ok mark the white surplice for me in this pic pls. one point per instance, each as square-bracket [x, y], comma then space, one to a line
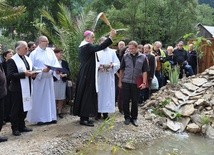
[105, 80]
[25, 87]
[44, 106]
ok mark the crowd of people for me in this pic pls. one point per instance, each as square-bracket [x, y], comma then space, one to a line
[33, 85]
[33, 80]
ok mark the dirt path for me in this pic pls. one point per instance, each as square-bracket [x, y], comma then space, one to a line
[68, 136]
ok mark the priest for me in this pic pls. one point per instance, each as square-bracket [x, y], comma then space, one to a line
[85, 102]
[44, 106]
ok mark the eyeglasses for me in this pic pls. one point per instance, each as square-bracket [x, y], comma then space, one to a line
[44, 40]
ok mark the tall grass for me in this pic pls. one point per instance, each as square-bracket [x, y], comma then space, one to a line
[174, 75]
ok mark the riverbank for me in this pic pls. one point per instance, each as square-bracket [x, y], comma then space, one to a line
[68, 137]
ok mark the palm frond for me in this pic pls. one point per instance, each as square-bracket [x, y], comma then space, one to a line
[48, 16]
[9, 13]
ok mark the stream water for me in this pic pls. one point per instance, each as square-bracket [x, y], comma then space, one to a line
[182, 144]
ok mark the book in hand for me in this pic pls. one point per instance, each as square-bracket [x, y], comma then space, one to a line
[37, 71]
[63, 70]
[139, 81]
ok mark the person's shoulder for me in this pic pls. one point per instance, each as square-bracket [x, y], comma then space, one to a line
[10, 61]
[49, 49]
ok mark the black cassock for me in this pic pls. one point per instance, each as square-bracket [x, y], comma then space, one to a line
[85, 102]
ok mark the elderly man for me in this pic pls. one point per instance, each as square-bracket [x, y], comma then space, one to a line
[19, 72]
[85, 103]
[133, 66]
[44, 107]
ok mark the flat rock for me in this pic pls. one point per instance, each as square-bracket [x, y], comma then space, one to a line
[201, 89]
[186, 92]
[180, 95]
[174, 126]
[187, 110]
[169, 113]
[184, 121]
[175, 100]
[196, 118]
[211, 72]
[195, 97]
[194, 128]
[190, 101]
[208, 84]
[210, 132]
[208, 108]
[190, 86]
[149, 104]
[171, 106]
[199, 102]
[199, 81]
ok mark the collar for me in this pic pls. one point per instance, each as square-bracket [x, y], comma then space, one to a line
[83, 43]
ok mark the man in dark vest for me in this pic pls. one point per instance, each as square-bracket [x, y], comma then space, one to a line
[134, 66]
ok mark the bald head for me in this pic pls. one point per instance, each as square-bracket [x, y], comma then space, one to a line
[43, 42]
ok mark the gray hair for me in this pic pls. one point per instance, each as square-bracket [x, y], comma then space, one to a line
[134, 43]
[19, 44]
[158, 43]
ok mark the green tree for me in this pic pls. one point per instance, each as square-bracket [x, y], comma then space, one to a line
[25, 28]
[205, 14]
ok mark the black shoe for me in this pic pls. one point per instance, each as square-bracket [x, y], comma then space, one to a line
[134, 122]
[60, 115]
[127, 121]
[25, 129]
[16, 133]
[41, 123]
[105, 116]
[98, 117]
[3, 139]
[53, 122]
[86, 123]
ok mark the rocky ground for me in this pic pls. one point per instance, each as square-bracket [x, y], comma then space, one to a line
[187, 106]
[67, 136]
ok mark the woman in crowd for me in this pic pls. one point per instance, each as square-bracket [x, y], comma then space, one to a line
[60, 78]
[7, 99]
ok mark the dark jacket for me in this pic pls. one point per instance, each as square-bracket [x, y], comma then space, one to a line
[3, 88]
[180, 55]
[85, 102]
[14, 76]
